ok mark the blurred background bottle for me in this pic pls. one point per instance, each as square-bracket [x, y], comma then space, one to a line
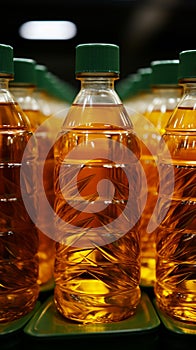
[60, 93]
[18, 237]
[165, 95]
[97, 188]
[128, 91]
[40, 92]
[145, 95]
[23, 87]
[138, 102]
[54, 95]
[175, 287]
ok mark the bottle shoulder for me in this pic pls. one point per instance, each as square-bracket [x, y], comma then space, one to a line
[105, 114]
[183, 119]
[12, 116]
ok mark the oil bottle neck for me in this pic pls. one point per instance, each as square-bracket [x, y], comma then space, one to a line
[5, 94]
[97, 82]
[167, 91]
[4, 83]
[97, 89]
[189, 95]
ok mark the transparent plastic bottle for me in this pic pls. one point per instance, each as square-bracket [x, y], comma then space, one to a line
[175, 286]
[97, 267]
[18, 237]
[56, 96]
[144, 88]
[165, 95]
[139, 103]
[40, 91]
[23, 87]
[131, 92]
[62, 94]
[52, 104]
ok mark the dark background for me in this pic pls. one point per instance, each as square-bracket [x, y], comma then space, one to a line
[145, 30]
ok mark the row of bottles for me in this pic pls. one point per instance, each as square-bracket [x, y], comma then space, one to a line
[175, 286]
[119, 175]
[19, 239]
[164, 120]
[150, 115]
[27, 138]
[23, 87]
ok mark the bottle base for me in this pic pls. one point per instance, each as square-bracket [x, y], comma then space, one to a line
[17, 304]
[96, 309]
[177, 305]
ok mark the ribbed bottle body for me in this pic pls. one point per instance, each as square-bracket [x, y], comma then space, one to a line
[97, 188]
[18, 237]
[175, 287]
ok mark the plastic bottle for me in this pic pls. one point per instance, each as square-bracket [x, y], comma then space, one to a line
[52, 103]
[60, 91]
[145, 90]
[165, 95]
[126, 87]
[175, 287]
[23, 87]
[132, 93]
[40, 91]
[97, 266]
[56, 96]
[18, 237]
[138, 104]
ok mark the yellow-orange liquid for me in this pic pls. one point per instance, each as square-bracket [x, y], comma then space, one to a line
[150, 137]
[43, 134]
[175, 286]
[99, 283]
[18, 235]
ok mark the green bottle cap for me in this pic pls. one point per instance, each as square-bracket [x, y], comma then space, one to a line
[187, 65]
[145, 81]
[6, 59]
[128, 86]
[41, 71]
[97, 58]
[164, 72]
[24, 71]
[59, 89]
